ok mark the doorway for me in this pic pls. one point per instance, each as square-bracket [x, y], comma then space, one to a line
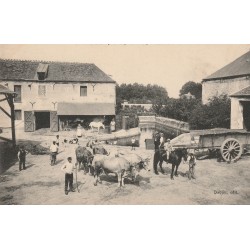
[42, 120]
[246, 115]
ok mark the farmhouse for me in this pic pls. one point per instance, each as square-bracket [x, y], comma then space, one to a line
[228, 80]
[57, 94]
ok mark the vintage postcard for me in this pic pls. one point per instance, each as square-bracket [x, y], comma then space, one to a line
[124, 124]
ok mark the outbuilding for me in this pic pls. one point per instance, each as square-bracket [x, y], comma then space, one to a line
[228, 80]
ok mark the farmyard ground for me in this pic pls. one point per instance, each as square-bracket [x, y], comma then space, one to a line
[216, 183]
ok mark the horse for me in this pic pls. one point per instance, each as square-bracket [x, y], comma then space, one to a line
[97, 125]
[175, 158]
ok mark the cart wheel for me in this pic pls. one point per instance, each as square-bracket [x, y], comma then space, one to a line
[231, 150]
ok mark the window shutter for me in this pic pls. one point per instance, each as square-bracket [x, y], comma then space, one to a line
[42, 90]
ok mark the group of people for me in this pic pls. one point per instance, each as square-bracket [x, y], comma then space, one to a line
[166, 148]
[68, 168]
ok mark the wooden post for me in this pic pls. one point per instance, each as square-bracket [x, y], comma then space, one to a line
[12, 114]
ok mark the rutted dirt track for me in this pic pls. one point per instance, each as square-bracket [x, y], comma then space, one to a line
[216, 183]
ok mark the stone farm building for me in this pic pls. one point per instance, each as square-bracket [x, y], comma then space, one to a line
[56, 95]
[234, 81]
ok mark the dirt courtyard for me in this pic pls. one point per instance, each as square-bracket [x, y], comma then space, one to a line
[42, 184]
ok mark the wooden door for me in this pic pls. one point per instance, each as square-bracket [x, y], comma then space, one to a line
[53, 121]
[28, 121]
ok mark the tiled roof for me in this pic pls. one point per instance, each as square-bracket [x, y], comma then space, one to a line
[65, 108]
[239, 67]
[244, 92]
[57, 71]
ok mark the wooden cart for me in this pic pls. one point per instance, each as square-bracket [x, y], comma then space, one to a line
[230, 142]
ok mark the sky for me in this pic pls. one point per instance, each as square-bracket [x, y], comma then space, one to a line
[170, 66]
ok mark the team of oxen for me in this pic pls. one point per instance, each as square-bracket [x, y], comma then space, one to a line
[122, 164]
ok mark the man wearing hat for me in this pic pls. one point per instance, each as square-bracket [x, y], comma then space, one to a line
[157, 141]
[68, 168]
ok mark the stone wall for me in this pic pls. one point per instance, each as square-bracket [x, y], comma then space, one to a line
[168, 126]
[218, 87]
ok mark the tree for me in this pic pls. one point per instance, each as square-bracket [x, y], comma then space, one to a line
[157, 106]
[215, 114]
[139, 93]
[193, 88]
[179, 109]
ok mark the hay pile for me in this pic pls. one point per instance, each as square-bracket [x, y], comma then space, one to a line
[36, 149]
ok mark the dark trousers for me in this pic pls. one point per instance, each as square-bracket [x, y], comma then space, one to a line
[53, 158]
[68, 181]
[191, 171]
[21, 163]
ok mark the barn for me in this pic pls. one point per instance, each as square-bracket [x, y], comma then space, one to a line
[228, 80]
[234, 81]
[55, 95]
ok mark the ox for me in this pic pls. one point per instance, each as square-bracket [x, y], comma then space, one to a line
[117, 165]
[136, 162]
[83, 156]
[97, 125]
[99, 150]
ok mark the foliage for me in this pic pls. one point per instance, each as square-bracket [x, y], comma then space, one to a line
[192, 88]
[215, 114]
[139, 93]
[179, 109]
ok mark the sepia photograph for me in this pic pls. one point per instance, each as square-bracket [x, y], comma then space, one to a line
[124, 124]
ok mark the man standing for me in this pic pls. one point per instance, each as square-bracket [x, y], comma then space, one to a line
[53, 153]
[191, 162]
[57, 140]
[22, 158]
[133, 143]
[157, 141]
[68, 169]
[112, 126]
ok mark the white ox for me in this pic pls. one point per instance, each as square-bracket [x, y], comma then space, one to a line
[117, 165]
[97, 125]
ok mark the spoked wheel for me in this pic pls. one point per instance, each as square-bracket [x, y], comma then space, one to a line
[231, 150]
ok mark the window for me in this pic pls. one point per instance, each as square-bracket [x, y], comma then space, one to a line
[42, 90]
[83, 90]
[18, 90]
[42, 71]
[18, 115]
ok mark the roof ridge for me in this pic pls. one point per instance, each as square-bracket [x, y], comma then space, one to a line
[42, 61]
[232, 69]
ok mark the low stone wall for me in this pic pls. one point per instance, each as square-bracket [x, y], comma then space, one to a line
[167, 125]
[171, 123]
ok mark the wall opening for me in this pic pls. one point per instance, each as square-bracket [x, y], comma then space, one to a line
[42, 120]
[246, 115]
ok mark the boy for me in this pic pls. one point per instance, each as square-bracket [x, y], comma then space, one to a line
[53, 153]
[191, 162]
[22, 158]
[168, 147]
[68, 169]
[133, 143]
